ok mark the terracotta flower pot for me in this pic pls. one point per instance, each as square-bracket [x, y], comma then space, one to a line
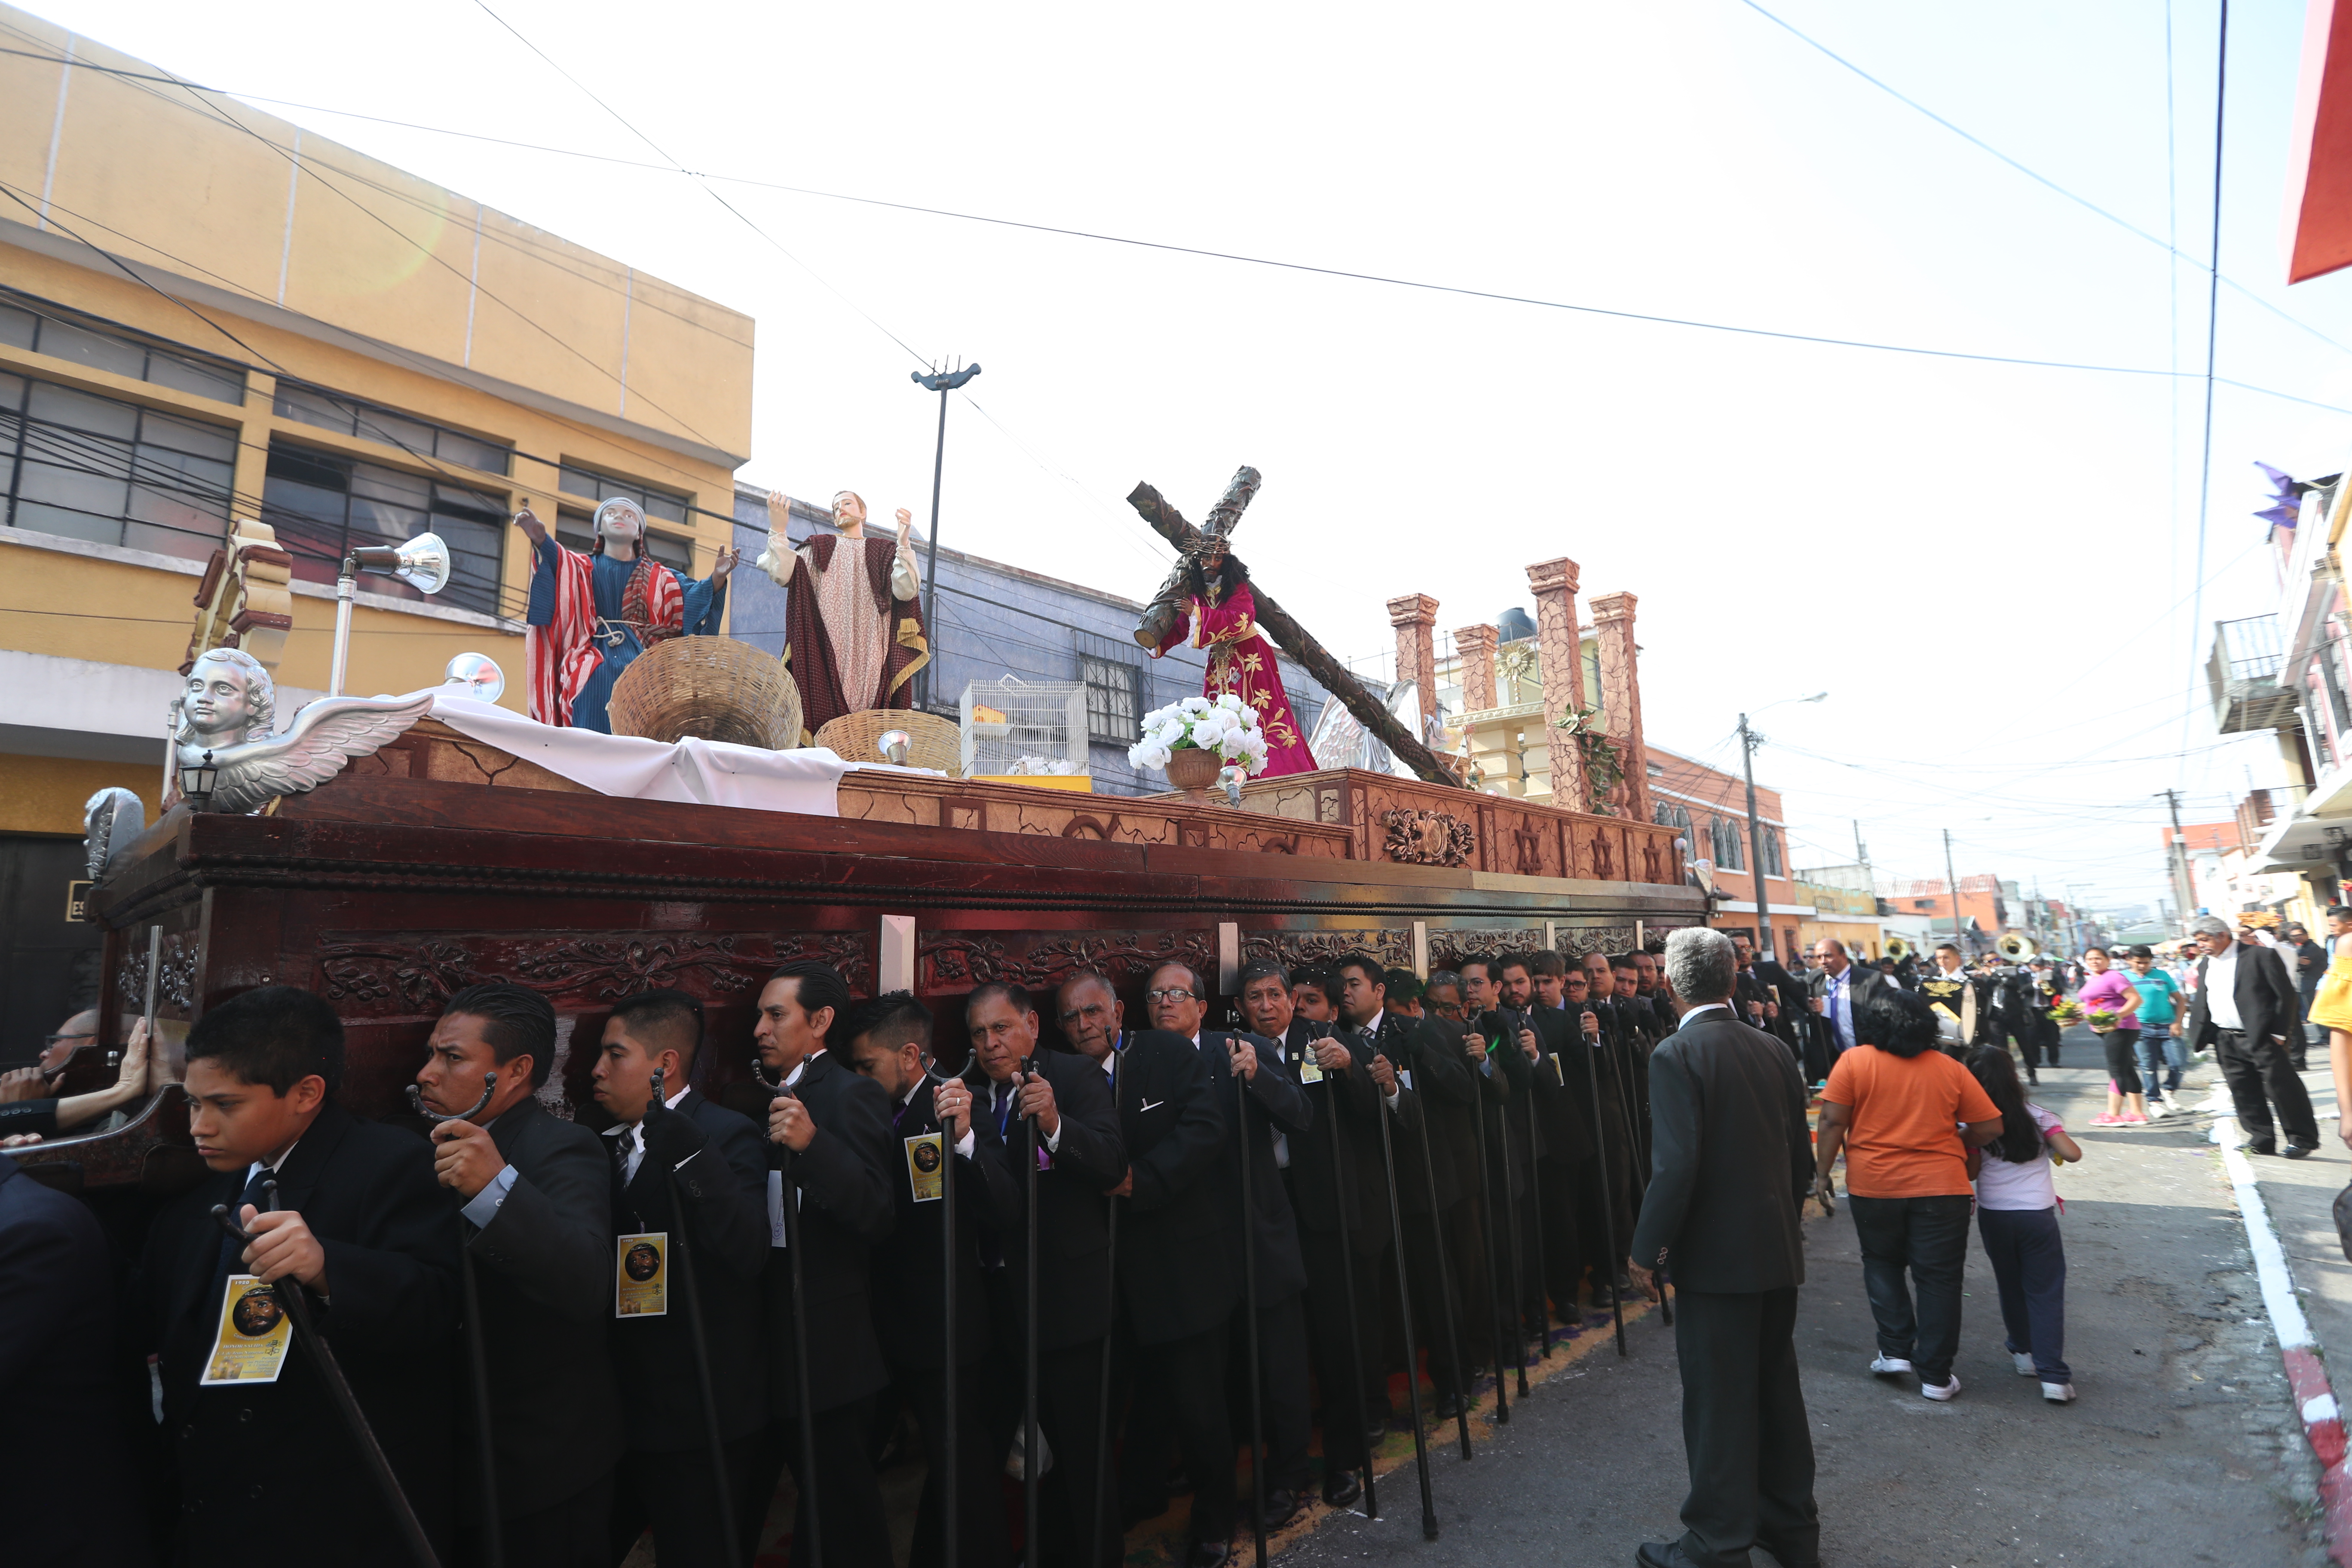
[1193, 770]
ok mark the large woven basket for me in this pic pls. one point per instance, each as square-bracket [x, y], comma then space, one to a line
[714, 688]
[936, 742]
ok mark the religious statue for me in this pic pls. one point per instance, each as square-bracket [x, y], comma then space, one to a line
[1222, 615]
[591, 615]
[225, 739]
[855, 633]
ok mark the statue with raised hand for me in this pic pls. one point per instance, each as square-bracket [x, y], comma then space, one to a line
[591, 615]
[854, 627]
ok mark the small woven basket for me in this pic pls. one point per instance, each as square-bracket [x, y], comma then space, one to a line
[714, 688]
[935, 742]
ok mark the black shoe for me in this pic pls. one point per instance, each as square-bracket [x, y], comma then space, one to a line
[2034, 1079]
[1661, 1554]
[2261, 1148]
[1445, 1409]
[1281, 1508]
[1209, 1554]
[1341, 1488]
[2301, 1151]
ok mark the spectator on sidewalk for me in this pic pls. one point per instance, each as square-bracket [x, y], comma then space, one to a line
[2307, 960]
[1906, 1115]
[2162, 1059]
[2017, 1220]
[2244, 1008]
[2331, 1009]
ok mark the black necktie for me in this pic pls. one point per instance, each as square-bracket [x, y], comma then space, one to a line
[1003, 1105]
[231, 1249]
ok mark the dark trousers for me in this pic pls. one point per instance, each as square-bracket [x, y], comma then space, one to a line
[2122, 1047]
[1432, 1295]
[1465, 1240]
[671, 1493]
[856, 1532]
[1554, 1247]
[1285, 1408]
[2260, 1076]
[1744, 1430]
[2029, 1263]
[1929, 1239]
[574, 1534]
[979, 1499]
[1604, 1219]
[1351, 1400]
[1180, 1401]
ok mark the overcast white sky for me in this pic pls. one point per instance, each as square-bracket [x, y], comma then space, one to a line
[1987, 567]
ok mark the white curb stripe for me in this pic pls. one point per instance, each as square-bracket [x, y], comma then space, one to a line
[2269, 1258]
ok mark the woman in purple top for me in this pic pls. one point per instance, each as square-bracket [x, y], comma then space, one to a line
[2106, 988]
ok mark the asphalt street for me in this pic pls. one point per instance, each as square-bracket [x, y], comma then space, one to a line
[2184, 1447]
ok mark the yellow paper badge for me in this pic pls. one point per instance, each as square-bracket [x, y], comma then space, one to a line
[249, 1346]
[925, 1155]
[641, 1278]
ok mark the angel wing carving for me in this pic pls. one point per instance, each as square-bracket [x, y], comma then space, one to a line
[110, 820]
[313, 749]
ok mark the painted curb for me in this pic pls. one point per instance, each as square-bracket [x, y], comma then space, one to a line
[2314, 1396]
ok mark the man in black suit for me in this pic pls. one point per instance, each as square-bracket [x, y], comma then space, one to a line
[1332, 1237]
[1402, 1072]
[1180, 1264]
[2245, 1007]
[1270, 1114]
[1734, 1162]
[1314, 992]
[890, 1042]
[829, 1137]
[1451, 1092]
[1514, 1141]
[1842, 990]
[1605, 1184]
[537, 1196]
[688, 1169]
[359, 1225]
[57, 1380]
[1083, 1157]
[1552, 1249]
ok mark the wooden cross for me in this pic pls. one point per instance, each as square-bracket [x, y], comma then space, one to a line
[1158, 621]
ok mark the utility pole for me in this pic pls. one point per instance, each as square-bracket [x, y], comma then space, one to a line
[1954, 883]
[942, 381]
[2183, 892]
[1756, 843]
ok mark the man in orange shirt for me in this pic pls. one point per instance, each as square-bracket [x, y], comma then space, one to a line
[1907, 1116]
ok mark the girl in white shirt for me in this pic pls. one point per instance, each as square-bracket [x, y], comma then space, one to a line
[2017, 1220]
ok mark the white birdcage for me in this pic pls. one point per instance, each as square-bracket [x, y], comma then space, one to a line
[1019, 727]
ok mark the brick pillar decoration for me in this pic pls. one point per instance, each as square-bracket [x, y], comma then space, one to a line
[1621, 699]
[1476, 646]
[1414, 617]
[1561, 665]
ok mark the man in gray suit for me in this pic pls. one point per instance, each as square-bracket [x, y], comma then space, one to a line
[1733, 1162]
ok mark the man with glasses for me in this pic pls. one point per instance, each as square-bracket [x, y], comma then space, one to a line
[2244, 1008]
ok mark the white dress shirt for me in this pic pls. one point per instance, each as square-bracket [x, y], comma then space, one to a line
[1837, 1002]
[2220, 987]
[635, 1134]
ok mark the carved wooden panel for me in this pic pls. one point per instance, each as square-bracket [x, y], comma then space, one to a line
[415, 976]
[1392, 945]
[1422, 837]
[1579, 940]
[1449, 947]
[178, 965]
[960, 960]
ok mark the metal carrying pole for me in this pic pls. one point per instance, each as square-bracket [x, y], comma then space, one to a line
[476, 1351]
[1608, 1191]
[1404, 1307]
[1486, 1226]
[1511, 1218]
[339, 1392]
[1249, 1305]
[804, 1478]
[1516, 1021]
[952, 1491]
[1102, 1408]
[1444, 1282]
[1029, 1505]
[1348, 1279]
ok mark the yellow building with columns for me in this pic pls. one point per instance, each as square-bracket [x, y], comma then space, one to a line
[209, 317]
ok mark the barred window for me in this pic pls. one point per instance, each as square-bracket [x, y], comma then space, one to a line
[419, 438]
[86, 467]
[324, 505]
[1729, 853]
[1114, 699]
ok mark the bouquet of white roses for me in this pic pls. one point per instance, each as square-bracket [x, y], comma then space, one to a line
[1224, 726]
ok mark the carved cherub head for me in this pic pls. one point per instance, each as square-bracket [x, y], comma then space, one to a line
[619, 518]
[229, 697]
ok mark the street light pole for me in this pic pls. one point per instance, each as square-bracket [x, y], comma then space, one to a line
[1747, 744]
[942, 381]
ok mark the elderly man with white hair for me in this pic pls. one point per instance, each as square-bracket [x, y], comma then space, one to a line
[1732, 1163]
[2245, 1006]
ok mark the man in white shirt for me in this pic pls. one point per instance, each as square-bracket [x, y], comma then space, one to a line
[2244, 1008]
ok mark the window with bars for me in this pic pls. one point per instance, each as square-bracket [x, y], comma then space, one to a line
[1772, 852]
[326, 410]
[324, 505]
[574, 532]
[595, 488]
[1114, 699]
[1730, 855]
[74, 464]
[28, 324]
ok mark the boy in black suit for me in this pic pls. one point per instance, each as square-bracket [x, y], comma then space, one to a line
[686, 1166]
[358, 1224]
[890, 1042]
[835, 1125]
[1083, 1157]
[538, 1212]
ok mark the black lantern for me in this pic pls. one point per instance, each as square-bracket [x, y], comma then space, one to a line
[196, 781]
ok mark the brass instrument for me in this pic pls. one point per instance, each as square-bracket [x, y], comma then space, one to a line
[1897, 949]
[2017, 947]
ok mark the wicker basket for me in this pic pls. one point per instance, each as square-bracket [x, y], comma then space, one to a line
[936, 742]
[714, 688]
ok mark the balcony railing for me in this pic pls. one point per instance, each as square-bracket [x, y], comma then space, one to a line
[2242, 674]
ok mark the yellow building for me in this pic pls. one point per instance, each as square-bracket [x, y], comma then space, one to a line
[209, 317]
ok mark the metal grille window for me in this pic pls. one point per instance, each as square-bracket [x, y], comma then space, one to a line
[85, 467]
[1114, 699]
[419, 438]
[28, 324]
[324, 505]
[593, 487]
[573, 533]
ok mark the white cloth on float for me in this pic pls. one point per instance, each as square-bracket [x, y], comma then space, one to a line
[689, 772]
